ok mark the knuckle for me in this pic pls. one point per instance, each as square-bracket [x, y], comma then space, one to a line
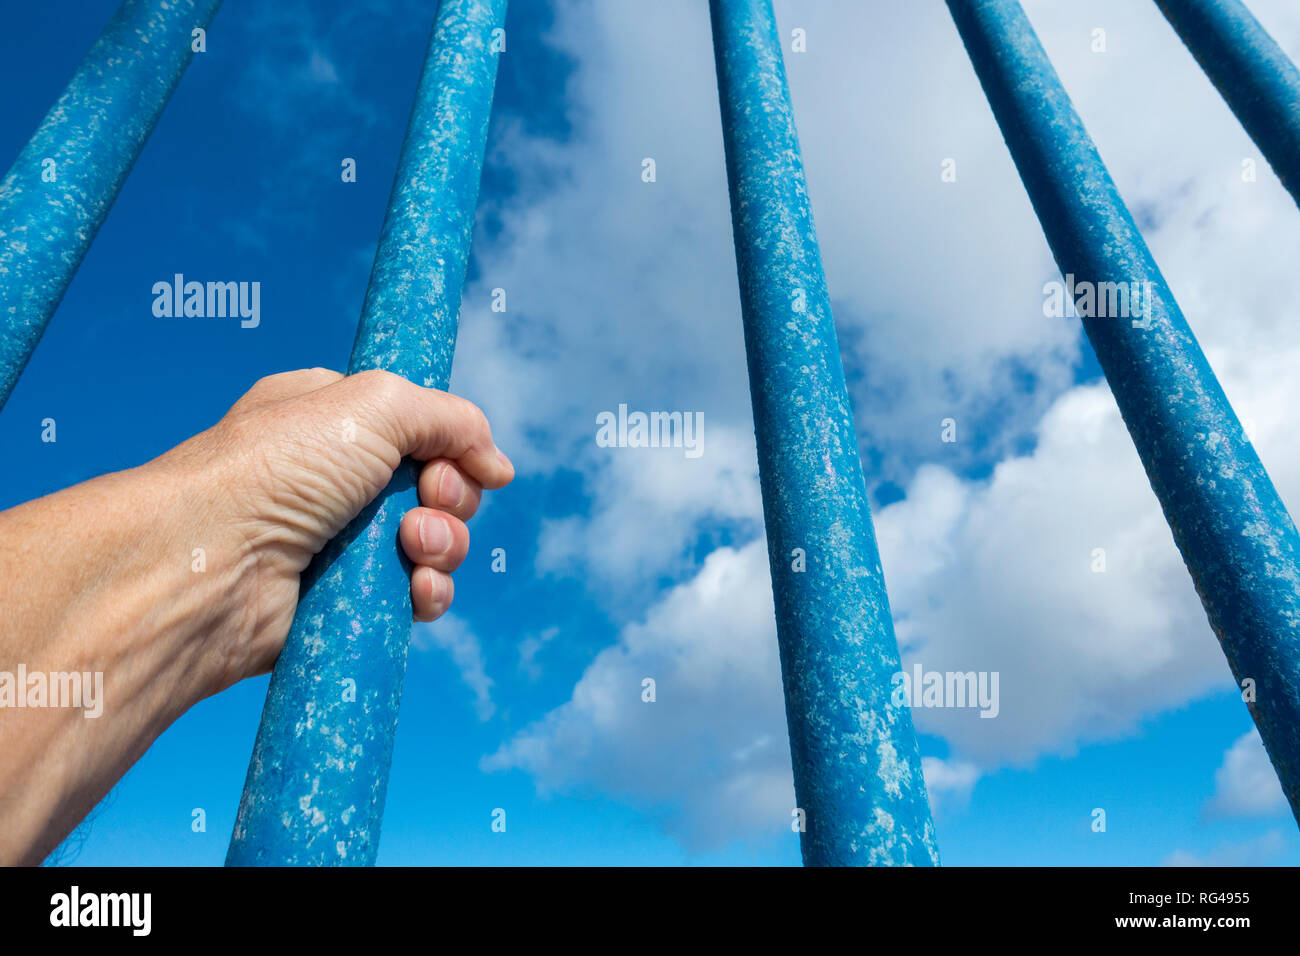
[265, 382]
[477, 420]
[323, 376]
[385, 386]
[370, 376]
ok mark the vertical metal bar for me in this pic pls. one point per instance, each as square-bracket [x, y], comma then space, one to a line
[319, 772]
[1253, 74]
[59, 190]
[857, 769]
[1235, 535]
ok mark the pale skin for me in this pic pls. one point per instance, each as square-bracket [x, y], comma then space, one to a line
[100, 577]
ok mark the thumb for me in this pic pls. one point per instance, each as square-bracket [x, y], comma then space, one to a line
[426, 423]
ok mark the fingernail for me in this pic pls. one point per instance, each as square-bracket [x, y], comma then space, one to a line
[501, 457]
[437, 591]
[435, 534]
[451, 487]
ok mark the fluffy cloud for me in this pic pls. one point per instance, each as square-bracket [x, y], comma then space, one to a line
[710, 755]
[453, 635]
[1257, 851]
[530, 647]
[998, 574]
[628, 288]
[993, 575]
[1008, 576]
[1246, 785]
[948, 782]
[648, 507]
[618, 290]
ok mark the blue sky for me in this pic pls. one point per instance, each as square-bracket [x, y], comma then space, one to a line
[624, 563]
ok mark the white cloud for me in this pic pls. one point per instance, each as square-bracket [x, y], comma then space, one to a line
[1257, 851]
[628, 289]
[451, 634]
[710, 755]
[948, 782]
[618, 290]
[1246, 785]
[998, 576]
[622, 291]
[937, 285]
[530, 647]
[647, 508]
[984, 576]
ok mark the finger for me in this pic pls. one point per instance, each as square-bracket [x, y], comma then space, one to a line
[433, 538]
[427, 423]
[445, 487]
[282, 385]
[431, 594]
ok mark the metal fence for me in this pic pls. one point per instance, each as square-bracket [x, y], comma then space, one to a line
[319, 771]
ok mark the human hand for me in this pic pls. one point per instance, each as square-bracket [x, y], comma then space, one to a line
[103, 579]
[300, 455]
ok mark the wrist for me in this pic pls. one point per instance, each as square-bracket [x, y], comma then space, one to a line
[201, 585]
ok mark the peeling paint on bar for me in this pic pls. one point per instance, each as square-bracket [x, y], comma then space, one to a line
[1235, 535]
[319, 772]
[857, 769]
[93, 135]
[1253, 74]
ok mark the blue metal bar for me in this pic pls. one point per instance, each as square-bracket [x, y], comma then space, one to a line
[1234, 533]
[319, 772]
[87, 143]
[1253, 74]
[857, 769]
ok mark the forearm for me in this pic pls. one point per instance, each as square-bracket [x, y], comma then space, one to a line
[99, 580]
[172, 581]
